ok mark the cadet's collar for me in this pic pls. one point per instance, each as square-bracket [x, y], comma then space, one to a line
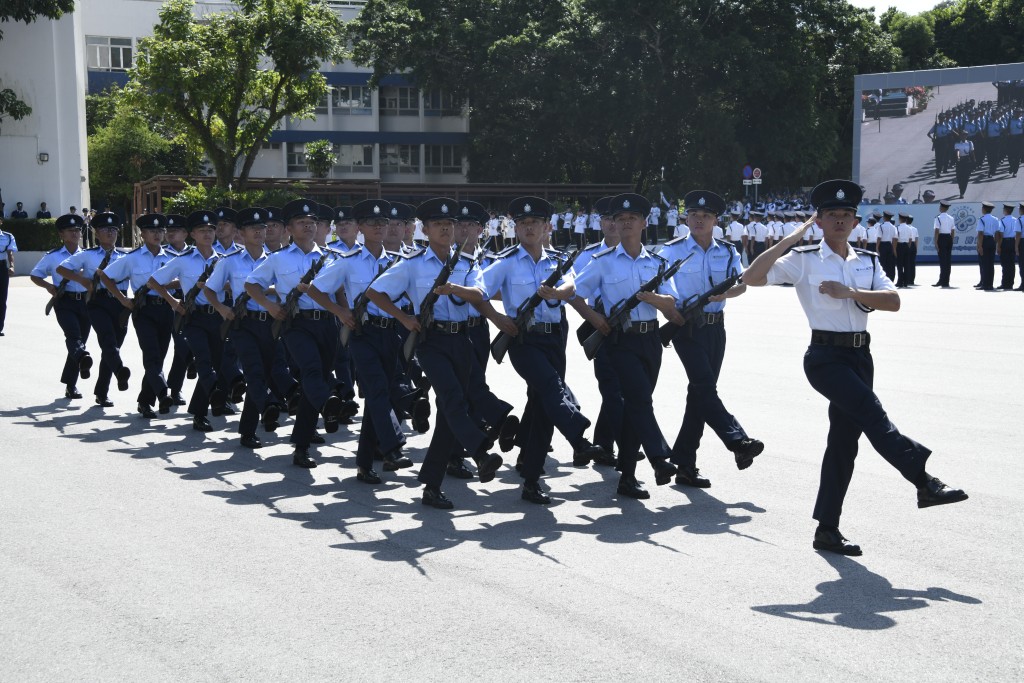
[825, 251]
[619, 249]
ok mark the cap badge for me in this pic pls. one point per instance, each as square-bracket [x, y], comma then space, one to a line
[305, 207]
[156, 221]
[206, 219]
[255, 215]
[110, 220]
[701, 201]
[625, 204]
[170, 221]
[394, 211]
[840, 195]
[444, 208]
[465, 211]
[376, 209]
[527, 208]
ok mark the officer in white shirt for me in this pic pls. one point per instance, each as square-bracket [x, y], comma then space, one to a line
[944, 228]
[837, 287]
[903, 237]
[682, 230]
[672, 220]
[872, 234]
[858, 234]
[736, 233]
[1009, 234]
[912, 254]
[653, 221]
[887, 245]
[757, 235]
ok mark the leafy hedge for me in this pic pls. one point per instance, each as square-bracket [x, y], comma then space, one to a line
[33, 234]
[198, 197]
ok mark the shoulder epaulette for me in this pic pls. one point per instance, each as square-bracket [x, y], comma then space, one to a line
[506, 251]
[396, 254]
[121, 250]
[188, 250]
[806, 249]
[97, 248]
[280, 248]
[233, 253]
[595, 245]
[866, 252]
[54, 251]
[604, 252]
[468, 257]
[723, 242]
[676, 240]
[136, 248]
[351, 252]
[415, 252]
[658, 256]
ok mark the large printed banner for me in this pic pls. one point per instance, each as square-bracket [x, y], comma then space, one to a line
[965, 215]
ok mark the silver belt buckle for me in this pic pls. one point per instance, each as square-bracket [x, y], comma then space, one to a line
[859, 339]
[547, 328]
[643, 327]
[316, 314]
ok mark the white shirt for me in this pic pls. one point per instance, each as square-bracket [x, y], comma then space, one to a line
[886, 231]
[735, 231]
[682, 230]
[857, 234]
[417, 233]
[903, 233]
[758, 231]
[595, 221]
[716, 232]
[652, 218]
[554, 220]
[944, 224]
[913, 234]
[872, 236]
[580, 224]
[672, 217]
[808, 267]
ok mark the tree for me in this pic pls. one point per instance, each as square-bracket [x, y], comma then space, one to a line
[26, 11]
[320, 158]
[230, 78]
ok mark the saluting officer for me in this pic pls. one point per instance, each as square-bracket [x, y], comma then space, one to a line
[150, 315]
[837, 286]
[701, 345]
[70, 307]
[103, 309]
[635, 351]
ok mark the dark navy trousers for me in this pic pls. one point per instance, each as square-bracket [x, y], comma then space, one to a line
[153, 330]
[255, 349]
[373, 352]
[74, 321]
[311, 345]
[202, 332]
[105, 318]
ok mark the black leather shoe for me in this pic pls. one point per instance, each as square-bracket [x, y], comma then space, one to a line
[630, 487]
[533, 492]
[230, 408]
[433, 497]
[72, 392]
[164, 405]
[605, 456]
[317, 439]
[394, 460]
[507, 433]
[146, 412]
[84, 366]
[349, 409]
[745, 451]
[123, 375]
[201, 424]
[934, 492]
[832, 541]
[218, 403]
[663, 471]
[690, 476]
[237, 392]
[487, 465]
[367, 476]
[584, 452]
[421, 415]
[190, 371]
[300, 458]
[177, 399]
[251, 441]
[330, 411]
[457, 468]
[104, 402]
[271, 418]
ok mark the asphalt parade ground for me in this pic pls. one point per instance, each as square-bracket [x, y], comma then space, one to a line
[148, 551]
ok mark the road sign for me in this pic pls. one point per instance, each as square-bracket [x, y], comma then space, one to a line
[756, 173]
[756, 181]
[746, 182]
[747, 171]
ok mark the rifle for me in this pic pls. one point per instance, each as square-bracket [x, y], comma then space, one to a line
[692, 312]
[619, 315]
[291, 302]
[359, 308]
[524, 314]
[189, 302]
[96, 276]
[61, 288]
[239, 309]
[426, 314]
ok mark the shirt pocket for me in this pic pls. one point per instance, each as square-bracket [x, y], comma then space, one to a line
[863, 278]
[822, 301]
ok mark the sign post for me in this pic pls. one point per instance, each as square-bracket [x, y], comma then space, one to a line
[756, 174]
[748, 172]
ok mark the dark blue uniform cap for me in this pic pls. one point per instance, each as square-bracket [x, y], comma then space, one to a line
[836, 194]
[324, 213]
[151, 221]
[252, 216]
[704, 200]
[474, 212]
[603, 207]
[70, 220]
[202, 219]
[342, 213]
[173, 220]
[369, 209]
[298, 208]
[225, 213]
[438, 208]
[106, 220]
[525, 207]
[401, 212]
[629, 202]
[274, 213]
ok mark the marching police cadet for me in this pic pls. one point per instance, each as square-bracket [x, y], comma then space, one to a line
[312, 334]
[635, 351]
[345, 228]
[700, 345]
[103, 309]
[858, 236]
[201, 326]
[837, 286]
[903, 235]
[251, 335]
[226, 229]
[150, 315]
[182, 364]
[1007, 238]
[68, 303]
[988, 226]
[8, 247]
[887, 245]
[275, 229]
[230, 373]
[538, 352]
[444, 345]
[944, 227]
[283, 384]
[374, 344]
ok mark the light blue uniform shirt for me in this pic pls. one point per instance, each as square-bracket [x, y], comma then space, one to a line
[224, 249]
[703, 270]
[1017, 126]
[232, 270]
[517, 276]
[988, 224]
[285, 268]
[1010, 226]
[618, 276]
[47, 268]
[137, 265]
[86, 261]
[415, 276]
[7, 243]
[187, 269]
[354, 271]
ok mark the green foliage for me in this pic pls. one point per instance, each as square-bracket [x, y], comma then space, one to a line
[33, 234]
[11, 105]
[976, 32]
[197, 197]
[230, 78]
[320, 157]
[100, 108]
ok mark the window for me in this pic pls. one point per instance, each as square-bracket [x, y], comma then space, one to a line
[400, 101]
[354, 158]
[297, 157]
[441, 103]
[321, 106]
[351, 100]
[443, 158]
[271, 145]
[400, 159]
[108, 54]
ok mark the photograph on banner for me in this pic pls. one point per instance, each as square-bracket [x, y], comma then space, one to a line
[965, 216]
[926, 144]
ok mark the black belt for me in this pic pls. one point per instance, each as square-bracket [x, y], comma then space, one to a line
[642, 327]
[314, 314]
[379, 321]
[448, 327]
[851, 340]
[106, 292]
[475, 321]
[545, 328]
[258, 316]
[713, 318]
[153, 299]
[408, 309]
[74, 296]
[208, 309]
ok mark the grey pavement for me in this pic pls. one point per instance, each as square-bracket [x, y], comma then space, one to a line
[151, 552]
